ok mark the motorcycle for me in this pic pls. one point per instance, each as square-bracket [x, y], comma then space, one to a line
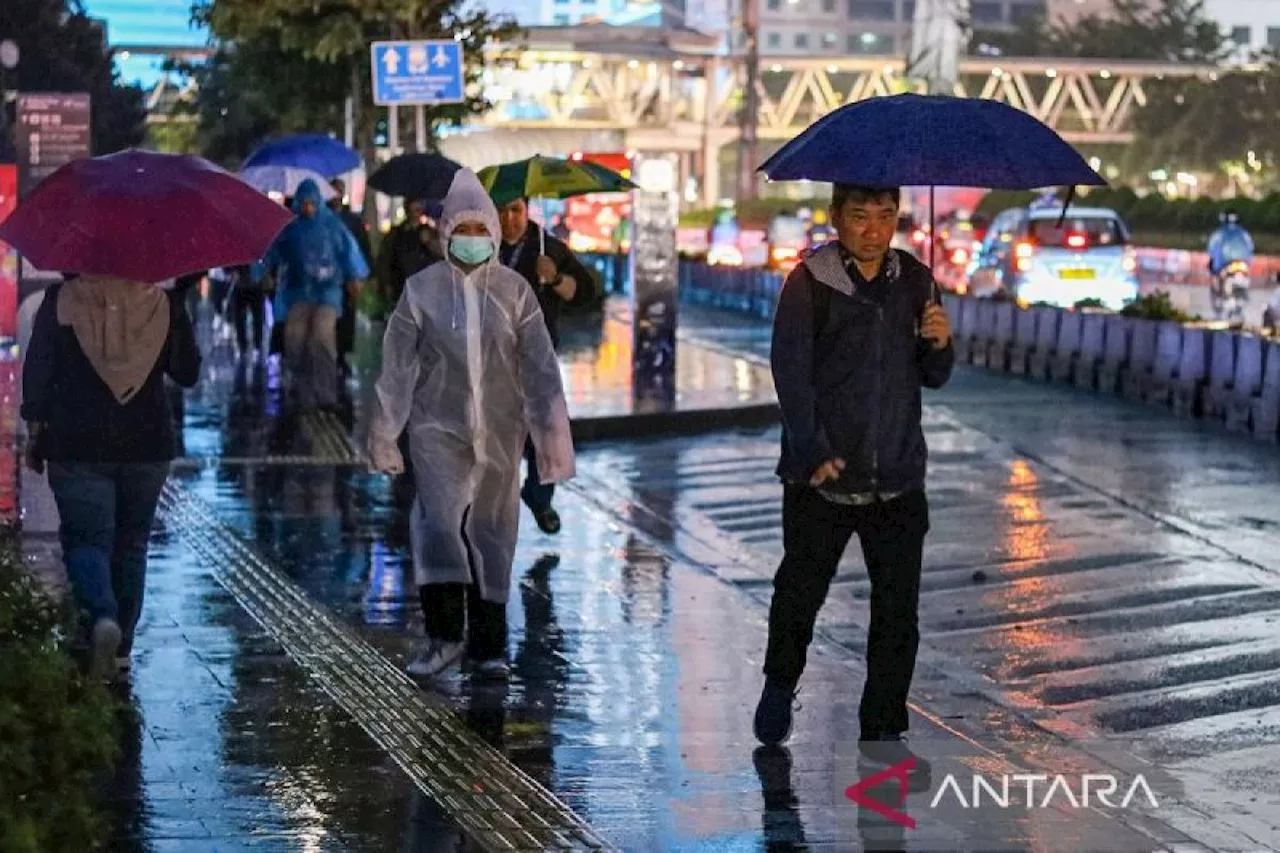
[1230, 292]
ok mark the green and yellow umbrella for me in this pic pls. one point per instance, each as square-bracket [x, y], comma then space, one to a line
[549, 177]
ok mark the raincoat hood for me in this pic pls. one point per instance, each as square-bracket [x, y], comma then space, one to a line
[467, 201]
[309, 190]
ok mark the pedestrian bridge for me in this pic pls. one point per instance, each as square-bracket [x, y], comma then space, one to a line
[647, 88]
[638, 79]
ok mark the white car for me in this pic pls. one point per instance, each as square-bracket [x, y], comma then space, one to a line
[1040, 256]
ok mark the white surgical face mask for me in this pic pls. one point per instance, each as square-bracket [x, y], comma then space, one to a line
[470, 248]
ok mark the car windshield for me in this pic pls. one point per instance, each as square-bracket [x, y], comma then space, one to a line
[1076, 232]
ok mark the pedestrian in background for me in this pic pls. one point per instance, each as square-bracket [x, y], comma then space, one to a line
[316, 267]
[94, 400]
[346, 329]
[558, 279]
[856, 336]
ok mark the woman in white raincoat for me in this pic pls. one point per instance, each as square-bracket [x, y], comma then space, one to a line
[468, 370]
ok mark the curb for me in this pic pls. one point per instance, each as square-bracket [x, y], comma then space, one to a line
[674, 423]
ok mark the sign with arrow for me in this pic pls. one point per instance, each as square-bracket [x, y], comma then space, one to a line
[409, 73]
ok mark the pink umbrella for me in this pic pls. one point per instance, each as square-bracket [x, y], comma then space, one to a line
[143, 216]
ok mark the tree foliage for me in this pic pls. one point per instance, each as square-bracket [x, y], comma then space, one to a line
[1163, 30]
[1189, 123]
[63, 50]
[286, 66]
[1198, 124]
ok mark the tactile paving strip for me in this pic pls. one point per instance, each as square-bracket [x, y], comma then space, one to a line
[324, 434]
[495, 802]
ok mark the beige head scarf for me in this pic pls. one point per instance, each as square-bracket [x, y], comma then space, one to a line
[121, 326]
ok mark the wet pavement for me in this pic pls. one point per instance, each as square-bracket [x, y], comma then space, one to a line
[1091, 602]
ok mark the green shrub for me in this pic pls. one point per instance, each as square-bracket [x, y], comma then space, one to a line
[1090, 302]
[58, 734]
[1156, 306]
[1199, 216]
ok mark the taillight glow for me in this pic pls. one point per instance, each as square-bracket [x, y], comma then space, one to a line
[1022, 253]
[1130, 262]
[1077, 241]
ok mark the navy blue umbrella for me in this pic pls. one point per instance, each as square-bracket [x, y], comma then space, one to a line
[931, 140]
[313, 151]
[416, 175]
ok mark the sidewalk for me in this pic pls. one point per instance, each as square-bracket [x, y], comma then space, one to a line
[637, 636]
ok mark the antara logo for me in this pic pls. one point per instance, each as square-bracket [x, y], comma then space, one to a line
[1040, 790]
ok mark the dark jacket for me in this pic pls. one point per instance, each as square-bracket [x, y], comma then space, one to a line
[401, 255]
[525, 255]
[355, 225]
[83, 421]
[848, 370]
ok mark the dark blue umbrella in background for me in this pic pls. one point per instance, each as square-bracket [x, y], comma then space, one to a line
[314, 151]
[416, 176]
[932, 140]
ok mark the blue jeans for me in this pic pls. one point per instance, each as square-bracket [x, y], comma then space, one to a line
[536, 494]
[105, 511]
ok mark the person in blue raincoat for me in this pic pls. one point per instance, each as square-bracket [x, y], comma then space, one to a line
[314, 262]
[1229, 243]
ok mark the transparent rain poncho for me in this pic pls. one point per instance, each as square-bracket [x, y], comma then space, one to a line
[468, 370]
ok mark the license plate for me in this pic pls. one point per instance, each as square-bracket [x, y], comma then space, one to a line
[1077, 274]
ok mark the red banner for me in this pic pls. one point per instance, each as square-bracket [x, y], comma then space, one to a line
[8, 258]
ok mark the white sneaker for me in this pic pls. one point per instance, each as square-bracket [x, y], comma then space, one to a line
[434, 658]
[491, 668]
[103, 643]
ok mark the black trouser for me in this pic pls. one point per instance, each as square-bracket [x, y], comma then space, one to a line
[453, 611]
[248, 306]
[536, 494]
[346, 326]
[815, 532]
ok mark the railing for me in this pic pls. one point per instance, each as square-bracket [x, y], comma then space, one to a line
[1197, 371]
[754, 291]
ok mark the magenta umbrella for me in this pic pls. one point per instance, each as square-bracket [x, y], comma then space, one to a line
[143, 216]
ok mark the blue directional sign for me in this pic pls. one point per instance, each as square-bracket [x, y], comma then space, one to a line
[406, 73]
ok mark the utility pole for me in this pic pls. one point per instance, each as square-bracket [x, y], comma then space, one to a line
[749, 118]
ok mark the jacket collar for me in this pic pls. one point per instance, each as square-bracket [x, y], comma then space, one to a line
[827, 265]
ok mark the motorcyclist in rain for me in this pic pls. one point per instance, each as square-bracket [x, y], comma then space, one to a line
[1230, 243]
[1230, 265]
[313, 261]
[468, 370]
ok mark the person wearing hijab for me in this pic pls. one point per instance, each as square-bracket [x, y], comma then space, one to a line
[98, 416]
[314, 262]
[468, 371]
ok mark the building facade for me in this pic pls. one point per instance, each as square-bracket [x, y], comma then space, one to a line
[864, 27]
[146, 22]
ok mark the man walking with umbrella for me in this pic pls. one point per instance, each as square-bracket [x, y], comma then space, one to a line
[558, 278]
[856, 336]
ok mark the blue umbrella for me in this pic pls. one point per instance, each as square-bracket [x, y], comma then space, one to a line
[314, 151]
[931, 140]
